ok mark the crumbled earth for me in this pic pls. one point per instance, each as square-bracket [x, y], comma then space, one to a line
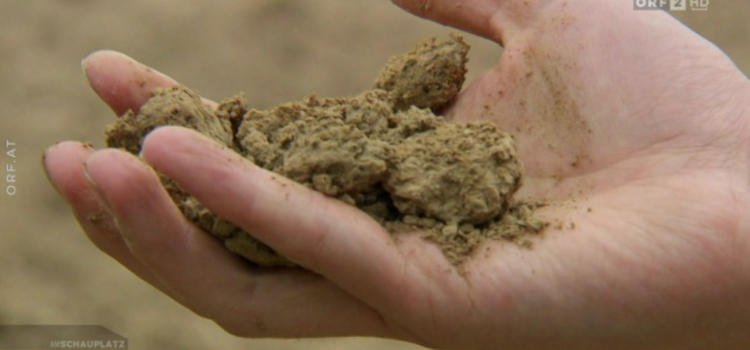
[383, 151]
[178, 107]
[430, 76]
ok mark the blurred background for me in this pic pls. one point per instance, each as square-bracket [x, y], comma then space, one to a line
[273, 50]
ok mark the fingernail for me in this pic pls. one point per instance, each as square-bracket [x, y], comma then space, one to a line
[84, 64]
[46, 171]
[45, 166]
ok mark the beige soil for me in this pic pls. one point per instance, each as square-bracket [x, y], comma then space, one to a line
[428, 77]
[383, 151]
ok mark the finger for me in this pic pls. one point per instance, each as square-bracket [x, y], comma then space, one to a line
[63, 164]
[122, 82]
[324, 235]
[157, 233]
[493, 19]
[209, 279]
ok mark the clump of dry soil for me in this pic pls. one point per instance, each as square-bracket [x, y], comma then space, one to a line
[383, 151]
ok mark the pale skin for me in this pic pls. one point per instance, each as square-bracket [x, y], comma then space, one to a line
[636, 128]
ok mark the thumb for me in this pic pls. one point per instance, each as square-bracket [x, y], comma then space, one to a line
[492, 19]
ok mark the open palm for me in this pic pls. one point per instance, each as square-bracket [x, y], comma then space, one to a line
[634, 128]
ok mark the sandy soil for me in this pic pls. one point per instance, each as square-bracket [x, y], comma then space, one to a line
[49, 272]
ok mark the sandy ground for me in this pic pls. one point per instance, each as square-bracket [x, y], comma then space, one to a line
[274, 50]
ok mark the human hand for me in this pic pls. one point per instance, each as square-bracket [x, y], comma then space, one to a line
[626, 113]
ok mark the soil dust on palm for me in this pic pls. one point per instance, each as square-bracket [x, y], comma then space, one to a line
[384, 151]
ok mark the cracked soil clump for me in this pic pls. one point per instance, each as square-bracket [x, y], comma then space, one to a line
[457, 173]
[383, 151]
[429, 77]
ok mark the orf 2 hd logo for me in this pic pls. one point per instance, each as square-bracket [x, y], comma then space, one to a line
[671, 5]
